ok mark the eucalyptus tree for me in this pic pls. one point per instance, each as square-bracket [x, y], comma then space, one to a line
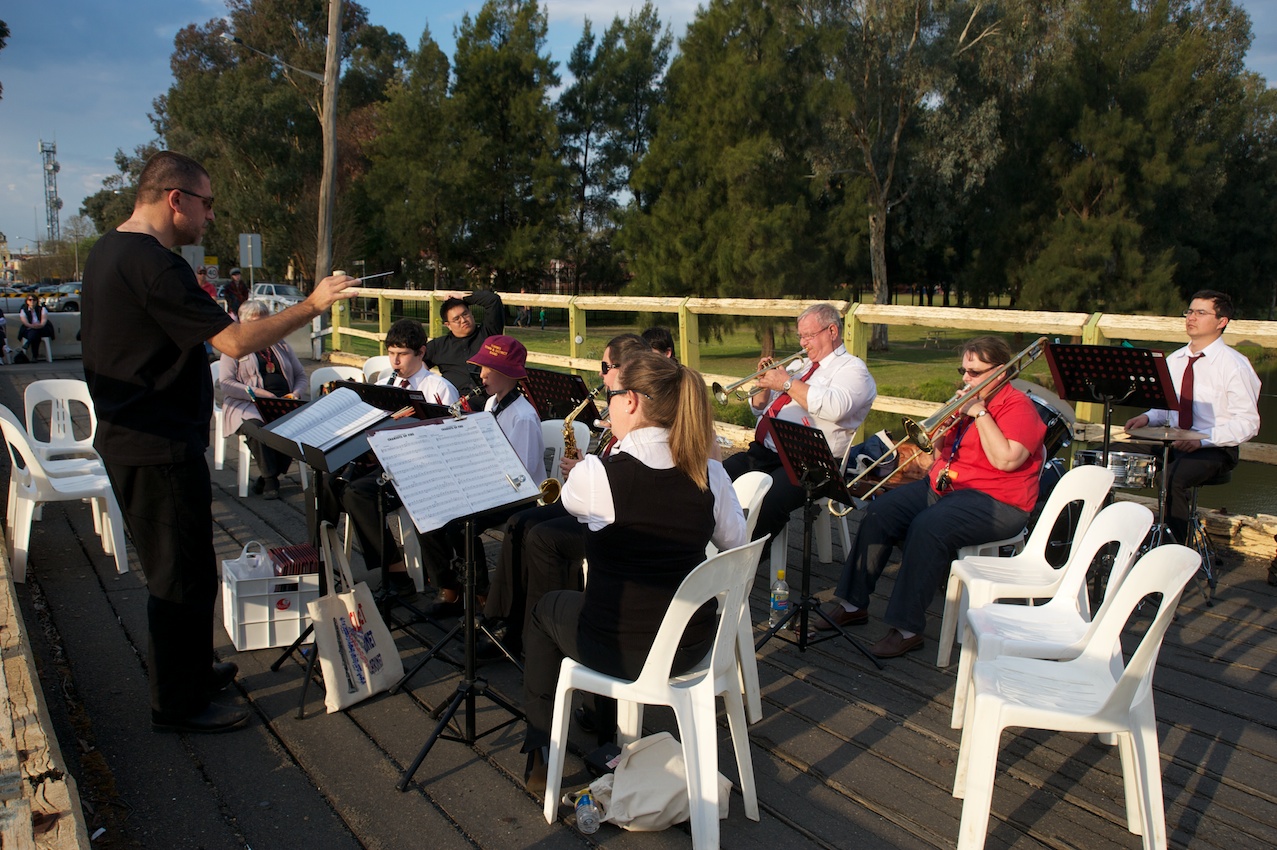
[510, 180]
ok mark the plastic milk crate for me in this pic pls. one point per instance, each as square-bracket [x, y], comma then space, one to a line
[260, 613]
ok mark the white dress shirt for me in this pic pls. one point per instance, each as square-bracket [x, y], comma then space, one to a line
[839, 396]
[522, 427]
[1225, 395]
[437, 390]
[587, 495]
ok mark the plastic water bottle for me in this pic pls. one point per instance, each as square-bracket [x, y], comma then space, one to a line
[780, 600]
[587, 814]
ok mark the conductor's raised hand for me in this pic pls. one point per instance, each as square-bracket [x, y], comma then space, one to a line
[330, 290]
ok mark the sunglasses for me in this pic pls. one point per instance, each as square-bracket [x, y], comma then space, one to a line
[974, 373]
[606, 367]
[207, 199]
[611, 394]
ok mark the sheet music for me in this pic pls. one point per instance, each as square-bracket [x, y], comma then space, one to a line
[451, 469]
[328, 420]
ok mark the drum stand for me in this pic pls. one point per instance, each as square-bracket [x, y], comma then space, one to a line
[1161, 532]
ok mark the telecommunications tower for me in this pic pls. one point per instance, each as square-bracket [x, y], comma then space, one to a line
[52, 203]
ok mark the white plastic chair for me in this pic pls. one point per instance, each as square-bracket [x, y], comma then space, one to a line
[1029, 575]
[1082, 694]
[750, 489]
[63, 396]
[30, 485]
[327, 374]
[691, 695]
[374, 366]
[404, 532]
[1058, 628]
[821, 535]
[552, 436]
[219, 435]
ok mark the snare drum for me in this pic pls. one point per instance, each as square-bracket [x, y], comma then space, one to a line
[1131, 470]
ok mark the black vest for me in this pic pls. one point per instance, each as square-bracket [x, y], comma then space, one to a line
[663, 523]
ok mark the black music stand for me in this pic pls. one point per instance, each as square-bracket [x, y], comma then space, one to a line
[556, 394]
[1112, 375]
[490, 463]
[276, 407]
[810, 464]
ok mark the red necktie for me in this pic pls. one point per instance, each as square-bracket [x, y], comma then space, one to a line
[781, 400]
[403, 382]
[1186, 395]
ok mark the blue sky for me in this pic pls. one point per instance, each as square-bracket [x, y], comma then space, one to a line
[82, 74]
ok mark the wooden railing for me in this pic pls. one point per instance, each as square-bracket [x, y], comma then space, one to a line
[1089, 328]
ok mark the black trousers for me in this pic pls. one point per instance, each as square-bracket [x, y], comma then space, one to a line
[1189, 470]
[270, 463]
[444, 547]
[357, 494]
[781, 500]
[552, 635]
[168, 511]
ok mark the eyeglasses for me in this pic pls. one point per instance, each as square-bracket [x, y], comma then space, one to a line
[974, 373]
[207, 199]
[1201, 314]
[606, 367]
[802, 337]
[460, 317]
[611, 394]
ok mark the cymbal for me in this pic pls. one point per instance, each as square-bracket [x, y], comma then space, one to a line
[1165, 434]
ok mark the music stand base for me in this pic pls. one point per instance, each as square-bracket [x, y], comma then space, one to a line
[467, 691]
[803, 640]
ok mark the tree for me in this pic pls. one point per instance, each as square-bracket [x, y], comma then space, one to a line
[416, 176]
[725, 180]
[113, 203]
[508, 143]
[4, 38]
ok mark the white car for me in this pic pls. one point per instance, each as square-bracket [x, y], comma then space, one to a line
[277, 295]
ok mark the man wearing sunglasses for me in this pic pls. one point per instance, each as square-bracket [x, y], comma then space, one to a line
[452, 351]
[1218, 393]
[981, 486]
[830, 389]
[145, 322]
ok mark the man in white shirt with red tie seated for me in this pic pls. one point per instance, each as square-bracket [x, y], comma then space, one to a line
[829, 389]
[406, 348]
[1218, 394]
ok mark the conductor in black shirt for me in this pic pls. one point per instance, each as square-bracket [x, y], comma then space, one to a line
[145, 322]
[452, 351]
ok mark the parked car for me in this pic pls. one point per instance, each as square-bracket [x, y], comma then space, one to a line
[11, 299]
[64, 299]
[277, 295]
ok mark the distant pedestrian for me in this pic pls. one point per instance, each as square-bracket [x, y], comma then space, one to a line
[542, 318]
[145, 321]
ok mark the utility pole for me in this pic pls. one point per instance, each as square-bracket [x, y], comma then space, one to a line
[52, 203]
[332, 69]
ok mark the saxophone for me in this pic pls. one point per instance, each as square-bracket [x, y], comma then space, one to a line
[551, 488]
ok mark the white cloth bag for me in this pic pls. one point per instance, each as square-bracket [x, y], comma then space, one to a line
[357, 655]
[648, 790]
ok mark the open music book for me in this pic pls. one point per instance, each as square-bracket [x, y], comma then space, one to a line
[328, 420]
[453, 468]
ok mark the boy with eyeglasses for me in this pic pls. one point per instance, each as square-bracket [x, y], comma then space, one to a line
[1218, 393]
[452, 351]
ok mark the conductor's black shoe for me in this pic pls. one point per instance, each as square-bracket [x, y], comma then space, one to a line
[271, 488]
[214, 718]
[259, 485]
[220, 677]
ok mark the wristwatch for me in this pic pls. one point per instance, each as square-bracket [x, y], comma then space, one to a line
[981, 413]
[789, 382]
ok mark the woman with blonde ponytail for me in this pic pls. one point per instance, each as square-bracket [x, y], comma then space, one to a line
[649, 509]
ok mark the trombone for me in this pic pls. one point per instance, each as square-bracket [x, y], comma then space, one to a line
[929, 432]
[723, 394]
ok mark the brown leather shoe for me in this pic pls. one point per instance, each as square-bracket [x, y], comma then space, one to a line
[834, 611]
[893, 645]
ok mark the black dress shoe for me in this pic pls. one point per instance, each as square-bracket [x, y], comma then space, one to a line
[585, 720]
[222, 674]
[840, 615]
[402, 585]
[893, 644]
[271, 488]
[259, 485]
[439, 609]
[214, 718]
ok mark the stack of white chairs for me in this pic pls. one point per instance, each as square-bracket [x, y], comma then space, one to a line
[552, 437]
[31, 484]
[328, 374]
[691, 695]
[1062, 626]
[1090, 693]
[979, 580]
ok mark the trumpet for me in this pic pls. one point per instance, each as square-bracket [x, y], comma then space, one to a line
[723, 394]
[929, 432]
